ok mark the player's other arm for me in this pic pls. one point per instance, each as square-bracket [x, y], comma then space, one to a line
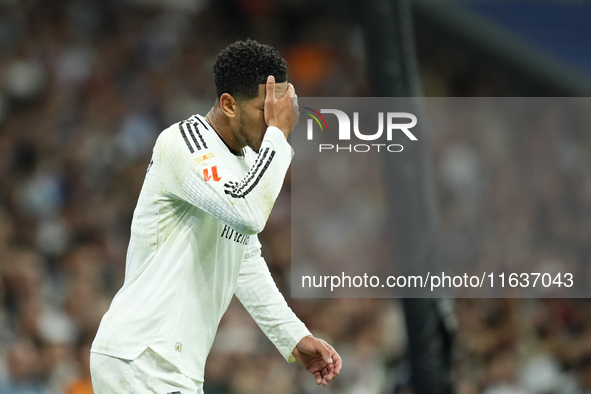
[244, 203]
[257, 291]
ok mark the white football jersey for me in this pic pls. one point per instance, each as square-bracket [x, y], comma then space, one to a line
[194, 245]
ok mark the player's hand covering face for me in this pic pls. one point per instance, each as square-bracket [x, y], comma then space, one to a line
[319, 358]
[281, 109]
[275, 105]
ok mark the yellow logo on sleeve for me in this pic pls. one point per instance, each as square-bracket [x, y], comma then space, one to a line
[204, 157]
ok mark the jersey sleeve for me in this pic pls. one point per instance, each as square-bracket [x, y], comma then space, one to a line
[257, 291]
[199, 175]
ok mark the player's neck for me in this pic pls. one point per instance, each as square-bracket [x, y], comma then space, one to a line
[222, 127]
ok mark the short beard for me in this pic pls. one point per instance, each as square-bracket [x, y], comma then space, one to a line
[245, 139]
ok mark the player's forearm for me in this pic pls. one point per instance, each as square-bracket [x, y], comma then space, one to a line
[252, 198]
[274, 317]
[244, 203]
[257, 291]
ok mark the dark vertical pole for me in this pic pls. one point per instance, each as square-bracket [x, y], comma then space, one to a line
[392, 72]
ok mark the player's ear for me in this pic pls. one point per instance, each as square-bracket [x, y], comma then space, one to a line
[228, 105]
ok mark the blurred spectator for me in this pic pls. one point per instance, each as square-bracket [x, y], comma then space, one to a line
[83, 384]
[24, 369]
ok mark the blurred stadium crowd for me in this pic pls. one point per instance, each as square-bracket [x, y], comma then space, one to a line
[87, 86]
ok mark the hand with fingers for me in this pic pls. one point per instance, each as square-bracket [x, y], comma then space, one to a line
[319, 358]
[282, 113]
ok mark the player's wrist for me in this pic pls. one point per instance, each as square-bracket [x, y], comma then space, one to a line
[286, 131]
[274, 130]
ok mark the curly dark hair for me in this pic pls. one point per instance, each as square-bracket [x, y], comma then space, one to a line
[242, 66]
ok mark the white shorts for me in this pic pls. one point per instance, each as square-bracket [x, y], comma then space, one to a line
[148, 373]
